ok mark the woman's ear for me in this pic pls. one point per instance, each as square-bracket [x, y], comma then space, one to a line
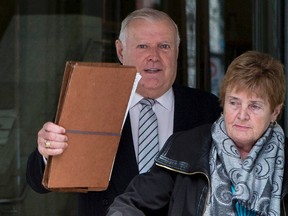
[276, 112]
[119, 50]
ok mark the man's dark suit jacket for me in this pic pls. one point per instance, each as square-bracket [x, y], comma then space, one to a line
[193, 107]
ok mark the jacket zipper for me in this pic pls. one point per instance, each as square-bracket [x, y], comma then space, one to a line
[190, 174]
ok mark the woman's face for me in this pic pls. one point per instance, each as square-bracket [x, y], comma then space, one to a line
[247, 117]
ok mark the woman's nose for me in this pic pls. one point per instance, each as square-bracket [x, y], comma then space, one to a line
[243, 113]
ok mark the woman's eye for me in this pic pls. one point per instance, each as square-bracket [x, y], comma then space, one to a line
[255, 107]
[233, 103]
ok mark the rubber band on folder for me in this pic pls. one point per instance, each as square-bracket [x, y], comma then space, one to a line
[93, 133]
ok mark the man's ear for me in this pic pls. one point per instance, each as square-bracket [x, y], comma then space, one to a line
[119, 50]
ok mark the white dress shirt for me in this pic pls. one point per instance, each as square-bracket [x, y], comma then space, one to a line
[164, 110]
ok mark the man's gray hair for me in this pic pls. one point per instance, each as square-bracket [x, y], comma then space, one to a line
[147, 14]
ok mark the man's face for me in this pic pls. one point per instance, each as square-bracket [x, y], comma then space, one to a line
[152, 48]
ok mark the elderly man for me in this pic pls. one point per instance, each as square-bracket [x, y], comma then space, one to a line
[148, 40]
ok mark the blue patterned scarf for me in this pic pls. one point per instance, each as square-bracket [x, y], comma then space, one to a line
[257, 180]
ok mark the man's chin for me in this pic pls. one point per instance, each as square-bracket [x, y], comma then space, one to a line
[150, 91]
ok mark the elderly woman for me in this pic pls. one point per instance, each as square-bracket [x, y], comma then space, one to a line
[235, 167]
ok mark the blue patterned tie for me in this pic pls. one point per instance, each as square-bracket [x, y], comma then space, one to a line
[148, 136]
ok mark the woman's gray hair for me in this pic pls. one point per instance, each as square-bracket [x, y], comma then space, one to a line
[147, 14]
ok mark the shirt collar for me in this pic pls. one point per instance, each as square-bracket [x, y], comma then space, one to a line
[166, 100]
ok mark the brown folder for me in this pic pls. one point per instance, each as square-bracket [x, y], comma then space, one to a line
[92, 107]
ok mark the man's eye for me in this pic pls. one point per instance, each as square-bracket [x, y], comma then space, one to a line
[164, 46]
[142, 46]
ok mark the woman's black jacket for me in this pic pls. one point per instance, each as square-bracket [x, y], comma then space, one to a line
[178, 183]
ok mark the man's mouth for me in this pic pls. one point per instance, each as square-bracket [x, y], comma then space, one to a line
[152, 70]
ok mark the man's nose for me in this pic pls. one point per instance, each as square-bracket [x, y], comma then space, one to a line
[153, 54]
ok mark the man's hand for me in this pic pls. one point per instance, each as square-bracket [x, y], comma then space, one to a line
[52, 139]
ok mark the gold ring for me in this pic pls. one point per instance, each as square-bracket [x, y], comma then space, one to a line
[47, 143]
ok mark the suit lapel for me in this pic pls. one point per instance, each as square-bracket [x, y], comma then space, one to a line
[125, 166]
